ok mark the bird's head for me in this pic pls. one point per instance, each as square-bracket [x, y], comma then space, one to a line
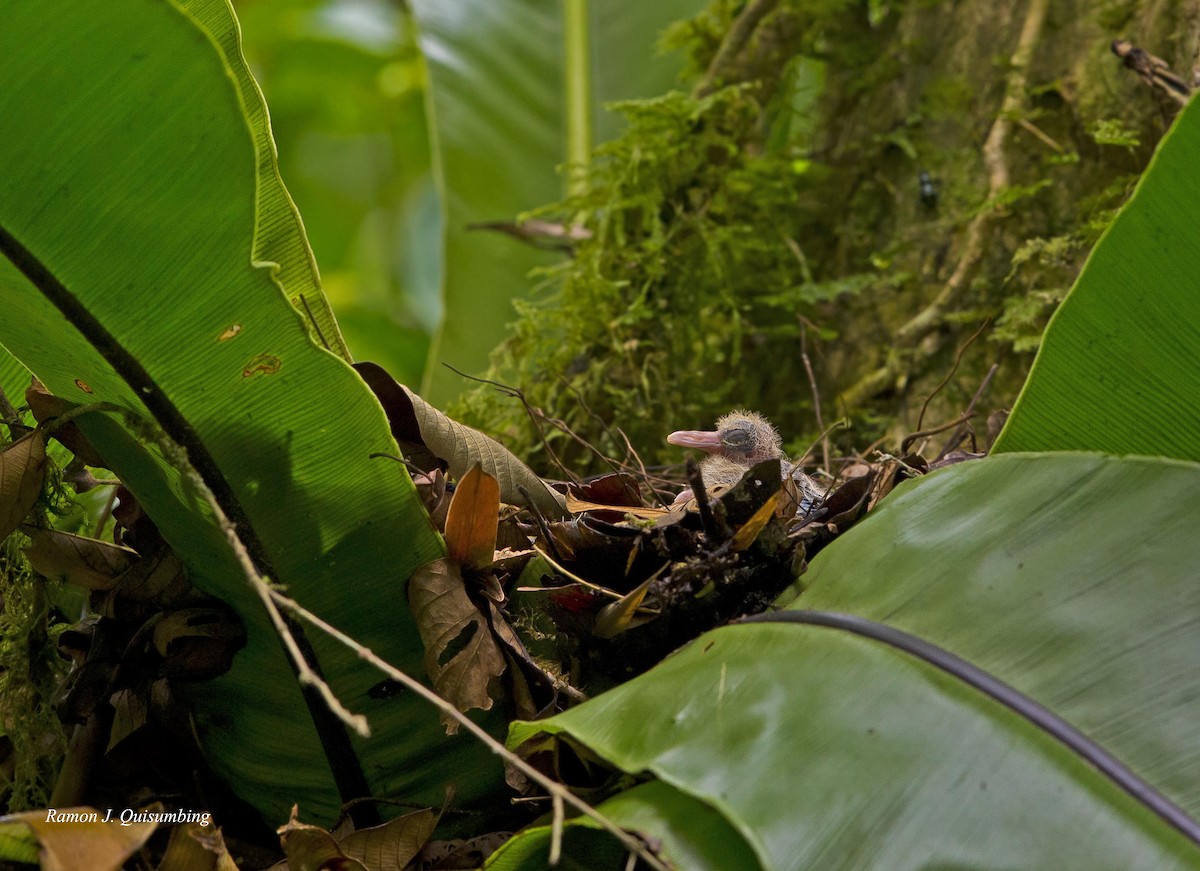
[742, 437]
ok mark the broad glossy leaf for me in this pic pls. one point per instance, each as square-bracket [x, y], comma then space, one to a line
[131, 184]
[499, 98]
[1119, 366]
[1070, 577]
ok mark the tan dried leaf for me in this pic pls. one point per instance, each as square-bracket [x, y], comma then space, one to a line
[392, 845]
[197, 847]
[22, 468]
[461, 656]
[84, 562]
[311, 847]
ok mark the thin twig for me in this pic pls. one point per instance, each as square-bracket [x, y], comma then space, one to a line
[1037, 132]
[556, 790]
[304, 672]
[816, 394]
[840, 423]
[958, 421]
[539, 519]
[583, 582]
[957, 437]
[518, 394]
[104, 514]
[957, 360]
[916, 436]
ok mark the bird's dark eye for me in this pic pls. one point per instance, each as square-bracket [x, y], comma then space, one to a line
[737, 439]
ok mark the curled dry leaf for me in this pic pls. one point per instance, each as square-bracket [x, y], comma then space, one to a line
[461, 656]
[418, 426]
[130, 712]
[84, 562]
[22, 468]
[620, 615]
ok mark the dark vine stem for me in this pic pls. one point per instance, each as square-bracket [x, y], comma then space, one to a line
[1011, 698]
[343, 762]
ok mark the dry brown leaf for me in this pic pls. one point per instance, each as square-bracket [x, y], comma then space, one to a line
[130, 713]
[198, 643]
[577, 506]
[394, 844]
[196, 847]
[461, 656]
[22, 467]
[417, 424]
[460, 855]
[473, 519]
[84, 562]
[78, 839]
[311, 848]
[159, 579]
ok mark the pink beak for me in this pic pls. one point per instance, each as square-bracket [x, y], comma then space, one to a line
[705, 441]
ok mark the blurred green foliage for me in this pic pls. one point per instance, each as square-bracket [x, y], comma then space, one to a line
[345, 84]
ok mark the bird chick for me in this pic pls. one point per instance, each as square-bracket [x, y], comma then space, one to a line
[743, 439]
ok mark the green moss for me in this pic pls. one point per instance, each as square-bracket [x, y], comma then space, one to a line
[30, 671]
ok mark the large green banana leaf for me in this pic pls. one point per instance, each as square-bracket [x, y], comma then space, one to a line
[499, 93]
[138, 199]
